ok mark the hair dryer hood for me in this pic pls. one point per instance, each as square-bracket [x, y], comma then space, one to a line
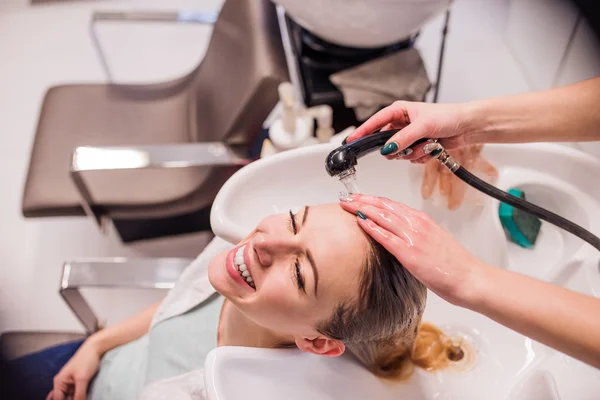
[363, 23]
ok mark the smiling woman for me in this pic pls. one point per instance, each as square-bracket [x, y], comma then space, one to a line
[315, 280]
[312, 280]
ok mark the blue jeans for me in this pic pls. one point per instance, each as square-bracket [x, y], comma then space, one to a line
[30, 377]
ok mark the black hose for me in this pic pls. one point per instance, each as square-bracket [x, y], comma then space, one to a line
[526, 206]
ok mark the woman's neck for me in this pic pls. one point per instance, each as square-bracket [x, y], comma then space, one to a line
[236, 329]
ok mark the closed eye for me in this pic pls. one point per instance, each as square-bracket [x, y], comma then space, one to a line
[297, 273]
[299, 278]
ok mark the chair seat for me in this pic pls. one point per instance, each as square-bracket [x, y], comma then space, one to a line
[17, 344]
[108, 115]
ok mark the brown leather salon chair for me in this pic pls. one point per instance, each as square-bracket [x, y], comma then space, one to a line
[151, 158]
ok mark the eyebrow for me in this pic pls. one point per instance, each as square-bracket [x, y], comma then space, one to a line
[311, 259]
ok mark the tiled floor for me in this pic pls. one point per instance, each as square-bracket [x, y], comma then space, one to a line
[44, 45]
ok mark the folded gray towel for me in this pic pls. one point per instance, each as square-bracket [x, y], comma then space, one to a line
[377, 83]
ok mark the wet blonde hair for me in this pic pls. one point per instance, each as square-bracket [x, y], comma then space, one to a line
[381, 327]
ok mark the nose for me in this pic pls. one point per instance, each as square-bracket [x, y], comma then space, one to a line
[269, 248]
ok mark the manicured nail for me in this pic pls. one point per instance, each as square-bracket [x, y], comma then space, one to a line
[404, 153]
[361, 215]
[436, 152]
[389, 149]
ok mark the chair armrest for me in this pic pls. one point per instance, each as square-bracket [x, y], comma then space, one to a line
[149, 273]
[179, 17]
[189, 17]
[207, 154]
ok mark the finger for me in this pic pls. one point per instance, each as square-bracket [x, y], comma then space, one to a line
[388, 127]
[80, 389]
[58, 394]
[484, 166]
[380, 202]
[387, 239]
[404, 139]
[474, 150]
[393, 125]
[399, 225]
[430, 177]
[50, 396]
[445, 182]
[60, 387]
[408, 153]
[457, 193]
[391, 114]
[423, 160]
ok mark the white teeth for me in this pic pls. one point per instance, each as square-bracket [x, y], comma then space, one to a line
[242, 268]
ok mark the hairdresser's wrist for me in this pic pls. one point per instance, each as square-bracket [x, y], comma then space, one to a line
[471, 291]
[476, 124]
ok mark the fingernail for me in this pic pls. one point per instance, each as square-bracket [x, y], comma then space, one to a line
[361, 215]
[389, 148]
[429, 147]
[404, 153]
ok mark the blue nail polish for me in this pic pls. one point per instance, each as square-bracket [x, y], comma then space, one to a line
[361, 215]
[389, 149]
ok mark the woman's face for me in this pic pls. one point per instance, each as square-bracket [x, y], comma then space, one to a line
[299, 269]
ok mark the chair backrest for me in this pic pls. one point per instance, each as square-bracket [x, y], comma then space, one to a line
[236, 84]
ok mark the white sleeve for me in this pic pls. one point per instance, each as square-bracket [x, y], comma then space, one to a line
[189, 386]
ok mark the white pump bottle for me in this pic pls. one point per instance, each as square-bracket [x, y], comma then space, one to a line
[295, 127]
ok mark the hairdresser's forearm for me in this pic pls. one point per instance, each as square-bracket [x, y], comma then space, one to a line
[563, 114]
[562, 319]
[124, 332]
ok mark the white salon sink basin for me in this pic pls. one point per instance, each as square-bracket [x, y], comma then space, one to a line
[363, 23]
[509, 366]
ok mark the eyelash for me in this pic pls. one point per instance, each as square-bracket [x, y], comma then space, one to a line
[299, 279]
[298, 275]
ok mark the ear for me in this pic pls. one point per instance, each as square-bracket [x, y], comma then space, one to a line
[322, 346]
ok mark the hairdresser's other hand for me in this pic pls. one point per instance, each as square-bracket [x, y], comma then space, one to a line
[448, 122]
[450, 186]
[428, 251]
[73, 379]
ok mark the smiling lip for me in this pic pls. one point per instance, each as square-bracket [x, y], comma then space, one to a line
[232, 271]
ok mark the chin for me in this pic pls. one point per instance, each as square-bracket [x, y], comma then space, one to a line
[217, 274]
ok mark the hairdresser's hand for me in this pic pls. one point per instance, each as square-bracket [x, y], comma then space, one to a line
[449, 185]
[448, 122]
[73, 379]
[428, 251]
